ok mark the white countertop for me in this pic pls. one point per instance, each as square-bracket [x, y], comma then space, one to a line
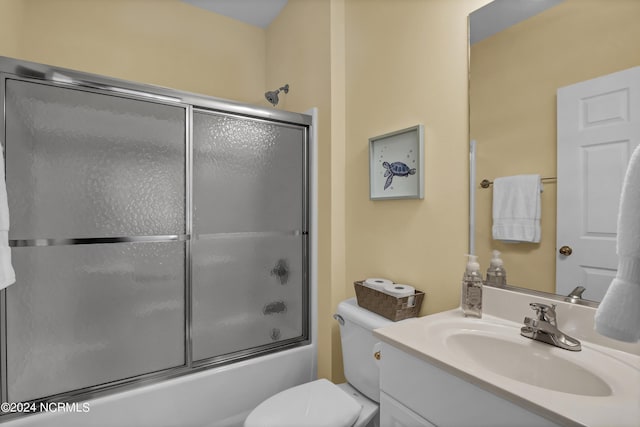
[424, 338]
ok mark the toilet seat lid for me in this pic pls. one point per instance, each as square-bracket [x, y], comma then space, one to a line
[319, 403]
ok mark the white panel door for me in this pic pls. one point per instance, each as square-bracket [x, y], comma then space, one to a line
[598, 129]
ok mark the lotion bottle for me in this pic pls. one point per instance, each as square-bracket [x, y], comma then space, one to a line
[496, 274]
[471, 298]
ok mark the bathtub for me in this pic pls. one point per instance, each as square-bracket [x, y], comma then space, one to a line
[219, 397]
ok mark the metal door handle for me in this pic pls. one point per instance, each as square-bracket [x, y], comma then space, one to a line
[566, 250]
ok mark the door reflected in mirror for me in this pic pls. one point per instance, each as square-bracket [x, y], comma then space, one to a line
[515, 75]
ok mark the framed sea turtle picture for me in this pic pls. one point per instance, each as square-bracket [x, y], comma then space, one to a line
[396, 164]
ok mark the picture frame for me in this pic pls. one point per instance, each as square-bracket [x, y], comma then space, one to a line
[396, 163]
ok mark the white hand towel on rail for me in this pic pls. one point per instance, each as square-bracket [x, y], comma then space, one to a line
[7, 275]
[618, 315]
[516, 208]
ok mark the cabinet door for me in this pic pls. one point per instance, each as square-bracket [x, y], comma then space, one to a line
[394, 414]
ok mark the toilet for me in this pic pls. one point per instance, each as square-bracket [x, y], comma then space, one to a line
[321, 403]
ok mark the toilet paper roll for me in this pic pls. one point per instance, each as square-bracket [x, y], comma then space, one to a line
[377, 283]
[398, 290]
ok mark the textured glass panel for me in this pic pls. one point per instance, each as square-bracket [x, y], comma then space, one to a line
[79, 316]
[247, 175]
[247, 291]
[81, 164]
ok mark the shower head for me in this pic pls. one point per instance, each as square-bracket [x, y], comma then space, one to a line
[272, 96]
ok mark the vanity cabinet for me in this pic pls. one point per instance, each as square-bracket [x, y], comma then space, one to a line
[415, 392]
[395, 414]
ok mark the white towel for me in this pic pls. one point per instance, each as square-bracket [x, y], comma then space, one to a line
[516, 208]
[618, 315]
[7, 275]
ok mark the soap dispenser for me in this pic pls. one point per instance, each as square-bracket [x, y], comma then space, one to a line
[496, 274]
[471, 298]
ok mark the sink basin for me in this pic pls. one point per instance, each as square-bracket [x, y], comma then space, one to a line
[598, 386]
[493, 347]
[527, 361]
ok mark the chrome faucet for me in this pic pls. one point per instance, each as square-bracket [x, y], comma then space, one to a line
[576, 294]
[544, 328]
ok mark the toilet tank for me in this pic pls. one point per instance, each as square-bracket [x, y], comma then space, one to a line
[358, 347]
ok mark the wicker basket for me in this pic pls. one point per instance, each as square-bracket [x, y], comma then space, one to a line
[387, 305]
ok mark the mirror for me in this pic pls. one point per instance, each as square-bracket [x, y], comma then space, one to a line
[514, 74]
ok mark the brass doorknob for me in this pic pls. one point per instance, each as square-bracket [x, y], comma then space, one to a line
[566, 250]
[376, 355]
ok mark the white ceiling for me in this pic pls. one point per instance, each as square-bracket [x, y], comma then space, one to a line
[255, 12]
[501, 14]
[484, 22]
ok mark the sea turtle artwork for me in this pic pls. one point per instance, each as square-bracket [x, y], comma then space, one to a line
[396, 169]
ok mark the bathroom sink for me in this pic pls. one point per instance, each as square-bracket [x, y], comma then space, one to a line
[527, 361]
[494, 346]
[587, 387]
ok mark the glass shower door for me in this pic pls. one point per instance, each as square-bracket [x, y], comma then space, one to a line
[96, 190]
[248, 247]
[149, 238]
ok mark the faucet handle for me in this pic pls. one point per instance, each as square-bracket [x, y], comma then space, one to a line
[577, 292]
[544, 312]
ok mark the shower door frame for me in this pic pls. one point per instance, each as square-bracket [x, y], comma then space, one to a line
[190, 102]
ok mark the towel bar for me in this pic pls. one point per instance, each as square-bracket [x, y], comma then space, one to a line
[485, 183]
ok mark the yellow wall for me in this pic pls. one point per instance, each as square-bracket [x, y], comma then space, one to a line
[407, 65]
[339, 256]
[514, 77]
[364, 85]
[10, 18]
[167, 43]
[370, 66]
